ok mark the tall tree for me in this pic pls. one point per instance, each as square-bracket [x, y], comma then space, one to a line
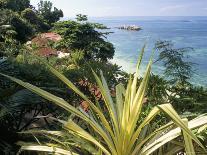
[177, 66]
[37, 21]
[81, 17]
[51, 15]
[15, 5]
[85, 36]
[15, 22]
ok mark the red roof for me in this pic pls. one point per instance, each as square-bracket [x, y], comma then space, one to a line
[42, 42]
[51, 36]
[44, 38]
[47, 51]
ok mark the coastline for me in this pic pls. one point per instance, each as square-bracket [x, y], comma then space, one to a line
[174, 28]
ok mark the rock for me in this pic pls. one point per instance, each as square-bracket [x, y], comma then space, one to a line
[130, 28]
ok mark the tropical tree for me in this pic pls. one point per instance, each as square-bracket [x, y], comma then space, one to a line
[157, 90]
[117, 127]
[186, 98]
[19, 108]
[29, 15]
[15, 22]
[84, 36]
[177, 68]
[36, 20]
[51, 15]
[15, 5]
[81, 17]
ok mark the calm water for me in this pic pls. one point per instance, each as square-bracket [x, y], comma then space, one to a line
[183, 31]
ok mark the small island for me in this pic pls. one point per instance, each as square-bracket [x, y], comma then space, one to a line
[130, 28]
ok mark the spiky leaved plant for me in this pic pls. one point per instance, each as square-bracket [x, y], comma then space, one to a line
[122, 133]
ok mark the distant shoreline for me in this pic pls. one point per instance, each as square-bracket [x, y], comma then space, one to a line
[141, 17]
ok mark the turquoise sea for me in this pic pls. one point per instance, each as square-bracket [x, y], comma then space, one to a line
[182, 31]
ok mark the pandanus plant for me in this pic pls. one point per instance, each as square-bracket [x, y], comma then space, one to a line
[117, 129]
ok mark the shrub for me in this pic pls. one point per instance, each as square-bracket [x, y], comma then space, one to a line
[115, 128]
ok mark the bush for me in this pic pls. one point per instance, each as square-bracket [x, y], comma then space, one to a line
[84, 36]
[115, 127]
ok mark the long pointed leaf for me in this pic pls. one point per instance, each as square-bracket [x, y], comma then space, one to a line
[48, 149]
[82, 133]
[62, 103]
[189, 148]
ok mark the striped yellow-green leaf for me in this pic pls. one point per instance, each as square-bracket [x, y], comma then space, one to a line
[117, 129]
[189, 148]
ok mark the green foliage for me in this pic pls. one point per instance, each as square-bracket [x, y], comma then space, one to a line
[25, 20]
[83, 72]
[202, 133]
[177, 68]
[30, 15]
[36, 20]
[19, 107]
[19, 102]
[122, 132]
[87, 46]
[188, 100]
[15, 5]
[9, 48]
[157, 90]
[81, 18]
[45, 10]
[77, 58]
[23, 29]
[84, 36]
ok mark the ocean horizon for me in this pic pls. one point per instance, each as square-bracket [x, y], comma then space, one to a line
[183, 31]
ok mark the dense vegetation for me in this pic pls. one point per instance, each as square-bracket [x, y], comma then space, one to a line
[83, 35]
[95, 118]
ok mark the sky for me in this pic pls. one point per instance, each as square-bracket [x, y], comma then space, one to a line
[102, 8]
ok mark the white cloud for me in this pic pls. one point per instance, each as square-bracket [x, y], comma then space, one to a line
[172, 8]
